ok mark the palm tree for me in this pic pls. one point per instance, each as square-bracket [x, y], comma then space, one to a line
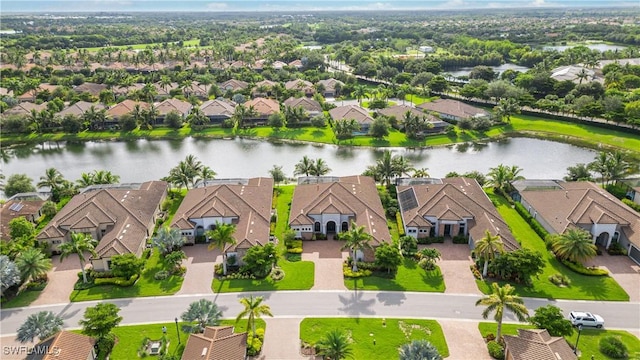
[320, 168]
[359, 91]
[79, 244]
[32, 264]
[304, 166]
[506, 108]
[599, 165]
[419, 350]
[52, 179]
[86, 179]
[498, 300]
[207, 173]
[253, 309]
[574, 245]
[201, 313]
[105, 177]
[356, 239]
[40, 325]
[487, 247]
[222, 236]
[501, 176]
[167, 239]
[420, 173]
[335, 345]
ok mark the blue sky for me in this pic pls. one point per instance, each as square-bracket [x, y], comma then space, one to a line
[283, 5]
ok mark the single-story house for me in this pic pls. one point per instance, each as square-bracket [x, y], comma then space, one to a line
[245, 203]
[264, 108]
[29, 209]
[78, 109]
[125, 107]
[632, 187]
[263, 88]
[164, 90]
[331, 87]
[451, 207]
[560, 205]
[327, 205]
[296, 64]
[125, 90]
[573, 73]
[233, 85]
[91, 88]
[24, 109]
[6, 92]
[455, 110]
[172, 105]
[398, 112]
[32, 94]
[198, 90]
[355, 112]
[311, 106]
[120, 216]
[536, 344]
[64, 345]
[218, 110]
[217, 342]
[303, 86]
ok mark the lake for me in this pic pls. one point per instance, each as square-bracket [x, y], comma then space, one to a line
[141, 160]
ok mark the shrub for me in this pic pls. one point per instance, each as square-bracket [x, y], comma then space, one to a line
[123, 282]
[105, 344]
[400, 225]
[476, 273]
[613, 347]
[616, 249]
[408, 245]
[535, 225]
[348, 273]
[295, 250]
[489, 337]
[97, 274]
[293, 243]
[253, 346]
[559, 279]
[431, 240]
[631, 204]
[277, 274]
[293, 257]
[460, 239]
[161, 275]
[218, 269]
[495, 350]
[426, 264]
[580, 269]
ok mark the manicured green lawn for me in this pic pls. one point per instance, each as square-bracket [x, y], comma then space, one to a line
[410, 277]
[589, 339]
[25, 298]
[145, 286]
[582, 287]
[363, 332]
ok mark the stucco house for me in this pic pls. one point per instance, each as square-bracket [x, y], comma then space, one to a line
[120, 216]
[218, 110]
[330, 87]
[327, 205]
[303, 86]
[217, 342]
[172, 105]
[245, 203]
[264, 108]
[633, 188]
[29, 209]
[64, 345]
[559, 205]
[536, 344]
[311, 106]
[78, 109]
[233, 85]
[24, 109]
[355, 112]
[263, 88]
[125, 107]
[454, 110]
[451, 207]
[91, 88]
[398, 112]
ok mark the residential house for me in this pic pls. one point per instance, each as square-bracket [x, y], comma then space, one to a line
[217, 342]
[29, 209]
[559, 205]
[78, 109]
[278, 65]
[198, 90]
[573, 73]
[245, 203]
[125, 107]
[311, 106]
[164, 90]
[355, 112]
[233, 85]
[455, 110]
[296, 64]
[218, 110]
[330, 87]
[6, 92]
[263, 88]
[24, 109]
[64, 345]
[91, 88]
[31, 95]
[126, 90]
[632, 187]
[328, 205]
[398, 113]
[300, 85]
[120, 216]
[172, 105]
[537, 344]
[264, 108]
[451, 207]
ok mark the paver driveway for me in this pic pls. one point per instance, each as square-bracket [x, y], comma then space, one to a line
[623, 270]
[199, 264]
[454, 265]
[328, 258]
[62, 277]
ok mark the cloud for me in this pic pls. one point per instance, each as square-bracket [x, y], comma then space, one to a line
[217, 6]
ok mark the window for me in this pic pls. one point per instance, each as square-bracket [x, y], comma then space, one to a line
[316, 227]
[462, 228]
[411, 230]
[616, 237]
[345, 226]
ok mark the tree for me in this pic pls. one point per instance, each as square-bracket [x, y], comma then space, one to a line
[79, 244]
[388, 257]
[419, 350]
[550, 317]
[574, 245]
[579, 172]
[335, 345]
[277, 174]
[259, 260]
[359, 91]
[429, 255]
[126, 265]
[40, 325]
[500, 299]
[344, 128]
[9, 274]
[304, 166]
[420, 173]
[379, 128]
[52, 179]
[200, 314]
[518, 266]
[174, 259]
[276, 120]
[253, 309]
[356, 239]
[222, 236]
[319, 168]
[501, 176]
[487, 247]
[173, 120]
[99, 320]
[18, 183]
[506, 108]
[32, 264]
[21, 228]
[168, 240]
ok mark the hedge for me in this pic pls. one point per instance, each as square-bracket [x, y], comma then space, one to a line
[460, 239]
[631, 204]
[535, 225]
[117, 281]
[400, 224]
[431, 240]
[580, 269]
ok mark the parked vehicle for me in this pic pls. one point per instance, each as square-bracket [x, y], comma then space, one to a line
[586, 319]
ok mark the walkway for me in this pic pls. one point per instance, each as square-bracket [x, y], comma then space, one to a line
[454, 264]
[281, 340]
[464, 340]
[328, 258]
[200, 267]
[623, 270]
[62, 278]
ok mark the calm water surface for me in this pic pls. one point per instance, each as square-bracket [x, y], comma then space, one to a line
[142, 160]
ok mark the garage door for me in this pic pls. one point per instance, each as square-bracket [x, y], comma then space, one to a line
[634, 254]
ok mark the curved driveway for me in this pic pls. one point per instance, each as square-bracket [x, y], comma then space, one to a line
[299, 304]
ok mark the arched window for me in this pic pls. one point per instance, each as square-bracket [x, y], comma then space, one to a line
[316, 226]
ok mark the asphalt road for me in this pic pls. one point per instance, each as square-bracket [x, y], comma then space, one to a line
[618, 315]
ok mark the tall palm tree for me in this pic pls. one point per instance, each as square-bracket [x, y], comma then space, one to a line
[506, 108]
[253, 309]
[574, 245]
[335, 345]
[32, 264]
[356, 239]
[40, 325]
[501, 176]
[105, 177]
[167, 239]
[320, 167]
[498, 300]
[86, 179]
[599, 165]
[487, 247]
[304, 166]
[419, 350]
[359, 91]
[222, 236]
[420, 173]
[200, 314]
[207, 173]
[52, 179]
[79, 244]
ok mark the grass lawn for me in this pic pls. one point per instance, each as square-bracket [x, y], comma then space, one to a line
[145, 286]
[582, 287]
[25, 298]
[388, 339]
[410, 277]
[589, 339]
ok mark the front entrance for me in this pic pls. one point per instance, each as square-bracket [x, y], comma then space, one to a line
[447, 230]
[331, 227]
[602, 239]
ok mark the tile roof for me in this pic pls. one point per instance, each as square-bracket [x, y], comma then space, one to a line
[454, 108]
[537, 344]
[351, 195]
[248, 204]
[218, 107]
[216, 343]
[457, 199]
[24, 108]
[64, 345]
[398, 111]
[125, 107]
[92, 88]
[330, 84]
[264, 106]
[79, 108]
[579, 203]
[16, 208]
[305, 103]
[169, 105]
[359, 114]
[571, 72]
[298, 84]
[126, 214]
[234, 85]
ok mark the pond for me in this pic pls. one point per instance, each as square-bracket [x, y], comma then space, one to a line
[141, 160]
[498, 69]
[599, 47]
